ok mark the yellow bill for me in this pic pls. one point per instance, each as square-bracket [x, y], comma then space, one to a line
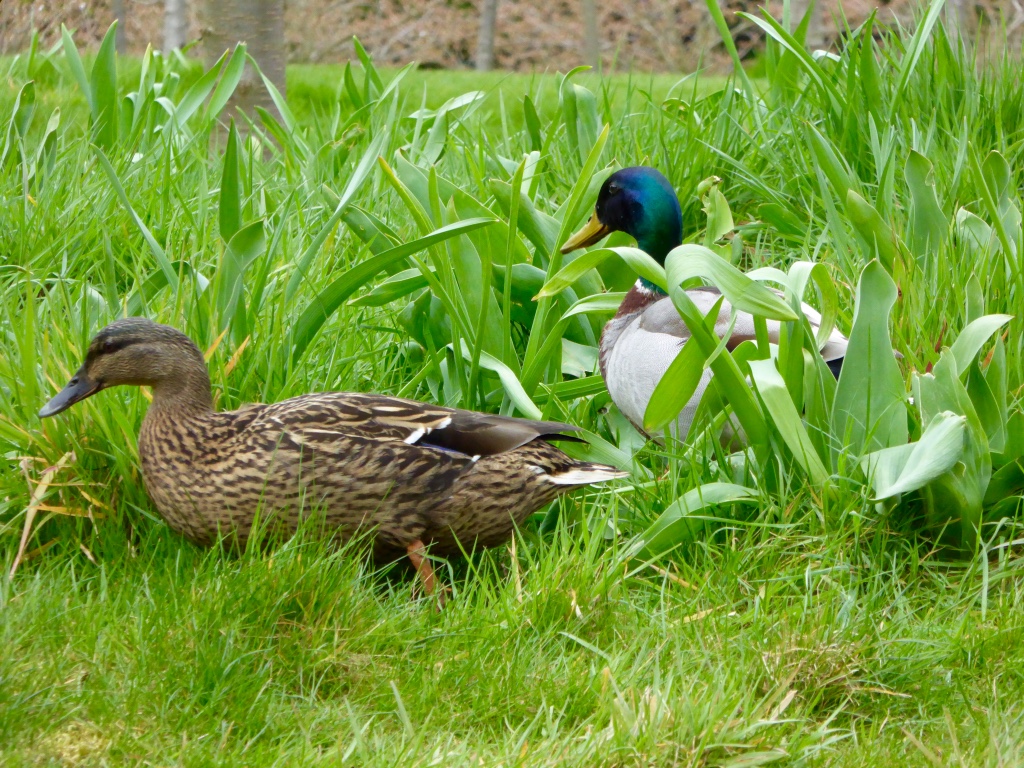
[589, 234]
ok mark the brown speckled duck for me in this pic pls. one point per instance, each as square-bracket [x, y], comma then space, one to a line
[422, 476]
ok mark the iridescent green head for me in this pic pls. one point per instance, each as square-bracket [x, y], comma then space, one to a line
[640, 202]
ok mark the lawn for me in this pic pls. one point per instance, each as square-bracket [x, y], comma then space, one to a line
[827, 623]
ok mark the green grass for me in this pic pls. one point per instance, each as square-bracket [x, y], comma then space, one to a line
[816, 628]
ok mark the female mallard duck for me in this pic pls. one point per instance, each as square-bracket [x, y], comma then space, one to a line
[646, 334]
[420, 475]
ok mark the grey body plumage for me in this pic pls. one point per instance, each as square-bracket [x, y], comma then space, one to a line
[641, 341]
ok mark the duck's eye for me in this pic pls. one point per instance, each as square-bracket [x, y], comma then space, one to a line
[109, 345]
[614, 189]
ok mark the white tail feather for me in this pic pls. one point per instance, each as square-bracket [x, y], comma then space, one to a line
[593, 473]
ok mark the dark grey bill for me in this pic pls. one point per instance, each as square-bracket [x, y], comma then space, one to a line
[79, 388]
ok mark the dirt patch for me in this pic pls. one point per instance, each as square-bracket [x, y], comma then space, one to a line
[654, 35]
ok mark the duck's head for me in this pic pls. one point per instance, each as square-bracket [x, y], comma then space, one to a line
[137, 351]
[640, 202]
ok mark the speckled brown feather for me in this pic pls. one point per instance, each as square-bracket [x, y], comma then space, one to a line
[409, 471]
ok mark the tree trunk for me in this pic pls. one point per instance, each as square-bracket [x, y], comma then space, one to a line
[815, 33]
[591, 35]
[958, 22]
[260, 25]
[120, 40]
[485, 36]
[175, 24]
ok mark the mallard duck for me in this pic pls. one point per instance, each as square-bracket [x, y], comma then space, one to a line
[646, 334]
[421, 476]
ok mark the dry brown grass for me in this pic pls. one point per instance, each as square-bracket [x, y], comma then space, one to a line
[78, 743]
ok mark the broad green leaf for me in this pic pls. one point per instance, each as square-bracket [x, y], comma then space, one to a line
[572, 210]
[680, 380]
[527, 280]
[230, 188]
[676, 387]
[509, 382]
[974, 232]
[876, 234]
[24, 105]
[104, 92]
[1008, 481]
[928, 224]
[729, 379]
[776, 398]
[283, 109]
[47, 154]
[869, 411]
[377, 235]
[227, 84]
[395, 287]
[838, 173]
[532, 124]
[245, 247]
[993, 183]
[328, 300]
[601, 302]
[973, 337]
[572, 101]
[745, 295]
[1014, 448]
[782, 219]
[196, 95]
[986, 406]
[638, 260]
[76, 66]
[24, 108]
[720, 222]
[680, 523]
[974, 303]
[571, 389]
[539, 228]
[437, 140]
[800, 276]
[996, 376]
[579, 359]
[957, 496]
[905, 468]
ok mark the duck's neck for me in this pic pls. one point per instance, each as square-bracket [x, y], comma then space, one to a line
[644, 286]
[183, 391]
[657, 244]
[640, 296]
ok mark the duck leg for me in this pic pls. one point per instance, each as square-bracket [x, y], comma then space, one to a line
[418, 556]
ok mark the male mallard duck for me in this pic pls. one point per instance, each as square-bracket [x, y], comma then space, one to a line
[646, 334]
[420, 475]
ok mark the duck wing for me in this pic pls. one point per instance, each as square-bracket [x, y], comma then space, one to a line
[662, 317]
[323, 418]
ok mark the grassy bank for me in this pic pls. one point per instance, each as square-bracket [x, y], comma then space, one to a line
[823, 624]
